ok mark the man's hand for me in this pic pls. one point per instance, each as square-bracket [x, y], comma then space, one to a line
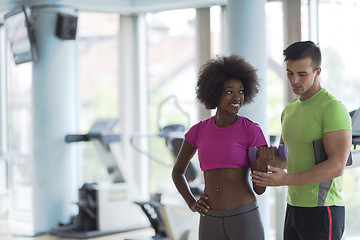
[274, 177]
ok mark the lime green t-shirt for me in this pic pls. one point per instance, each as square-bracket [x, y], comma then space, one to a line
[303, 122]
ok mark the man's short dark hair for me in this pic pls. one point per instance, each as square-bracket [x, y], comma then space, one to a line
[301, 50]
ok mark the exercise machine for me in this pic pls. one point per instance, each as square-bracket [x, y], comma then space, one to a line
[355, 119]
[167, 212]
[104, 208]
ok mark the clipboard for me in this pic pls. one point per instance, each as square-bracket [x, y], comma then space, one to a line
[320, 154]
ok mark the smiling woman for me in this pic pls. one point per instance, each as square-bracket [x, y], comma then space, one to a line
[231, 99]
[211, 79]
[225, 84]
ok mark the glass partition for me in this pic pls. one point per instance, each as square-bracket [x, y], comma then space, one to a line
[339, 37]
[19, 136]
[97, 38]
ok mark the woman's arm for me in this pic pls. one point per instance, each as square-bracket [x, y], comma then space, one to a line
[278, 162]
[270, 158]
[258, 166]
[178, 175]
[265, 158]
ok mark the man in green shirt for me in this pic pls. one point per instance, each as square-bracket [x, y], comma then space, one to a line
[315, 208]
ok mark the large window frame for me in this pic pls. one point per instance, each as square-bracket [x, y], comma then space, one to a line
[340, 77]
[16, 158]
[4, 193]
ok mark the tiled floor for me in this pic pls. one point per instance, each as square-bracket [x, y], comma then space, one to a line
[15, 230]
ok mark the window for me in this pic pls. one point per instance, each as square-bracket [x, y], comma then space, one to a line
[276, 84]
[172, 78]
[275, 61]
[339, 37]
[172, 72]
[98, 82]
[19, 137]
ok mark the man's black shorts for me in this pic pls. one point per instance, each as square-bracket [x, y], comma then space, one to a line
[320, 223]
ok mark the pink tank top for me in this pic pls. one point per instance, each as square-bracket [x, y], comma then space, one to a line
[224, 147]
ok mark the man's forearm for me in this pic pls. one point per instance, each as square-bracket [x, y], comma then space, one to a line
[319, 173]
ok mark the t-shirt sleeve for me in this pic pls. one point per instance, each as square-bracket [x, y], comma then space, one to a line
[192, 134]
[336, 117]
[282, 115]
[256, 136]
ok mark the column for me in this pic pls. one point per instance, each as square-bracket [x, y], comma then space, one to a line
[292, 33]
[133, 98]
[54, 116]
[203, 46]
[247, 37]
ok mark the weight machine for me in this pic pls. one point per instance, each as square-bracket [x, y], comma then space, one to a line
[104, 208]
[355, 119]
[169, 216]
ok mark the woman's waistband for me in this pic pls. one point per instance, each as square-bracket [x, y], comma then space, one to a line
[231, 212]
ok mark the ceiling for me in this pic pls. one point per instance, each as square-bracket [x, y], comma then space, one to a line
[120, 6]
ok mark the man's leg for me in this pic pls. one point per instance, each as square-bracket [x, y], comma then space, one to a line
[321, 223]
[289, 224]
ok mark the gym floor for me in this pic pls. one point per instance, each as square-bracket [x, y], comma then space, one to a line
[15, 230]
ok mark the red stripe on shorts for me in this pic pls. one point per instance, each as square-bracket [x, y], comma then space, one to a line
[330, 222]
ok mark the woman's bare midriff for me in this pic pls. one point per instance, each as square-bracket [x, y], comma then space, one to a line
[228, 188]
